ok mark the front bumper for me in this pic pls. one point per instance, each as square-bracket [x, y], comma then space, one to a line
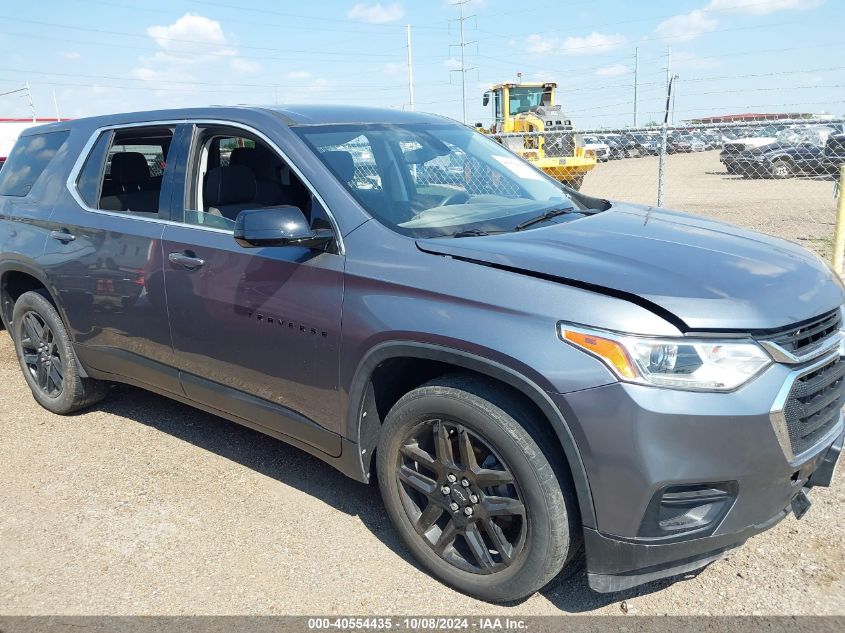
[615, 564]
[748, 166]
[637, 442]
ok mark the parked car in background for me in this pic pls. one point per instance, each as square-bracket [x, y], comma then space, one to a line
[712, 139]
[617, 144]
[644, 144]
[755, 138]
[532, 372]
[795, 151]
[684, 142]
[597, 146]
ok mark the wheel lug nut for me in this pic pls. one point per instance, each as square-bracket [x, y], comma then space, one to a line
[451, 478]
[473, 498]
[445, 490]
[465, 482]
[454, 506]
[468, 511]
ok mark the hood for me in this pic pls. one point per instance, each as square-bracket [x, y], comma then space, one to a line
[697, 273]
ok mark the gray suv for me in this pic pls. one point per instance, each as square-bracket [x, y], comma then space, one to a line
[537, 376]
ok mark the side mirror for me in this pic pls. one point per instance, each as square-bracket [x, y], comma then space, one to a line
[485, 100]
[278, 226]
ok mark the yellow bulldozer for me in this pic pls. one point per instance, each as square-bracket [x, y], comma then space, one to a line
[548, 140]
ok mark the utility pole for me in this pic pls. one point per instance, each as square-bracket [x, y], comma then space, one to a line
[636, 80]
[463, 44]
[31, 104]
[410, 72]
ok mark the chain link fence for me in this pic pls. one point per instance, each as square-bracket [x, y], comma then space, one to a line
[776, 176]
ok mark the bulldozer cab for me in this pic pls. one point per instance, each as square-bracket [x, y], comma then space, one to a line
[512, 99]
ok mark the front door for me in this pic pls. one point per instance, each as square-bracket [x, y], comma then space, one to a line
[255, 331]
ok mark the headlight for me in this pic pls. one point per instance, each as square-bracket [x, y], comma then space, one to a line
[682, 363]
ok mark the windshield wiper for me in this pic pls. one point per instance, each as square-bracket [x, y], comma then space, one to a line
[470, 233]
[548, 215]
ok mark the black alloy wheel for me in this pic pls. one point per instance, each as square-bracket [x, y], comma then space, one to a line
[475, 484]
[47, 358]
[41, 354]
[461, 497]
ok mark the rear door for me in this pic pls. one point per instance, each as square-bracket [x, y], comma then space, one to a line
[104, 255]
[255, 330]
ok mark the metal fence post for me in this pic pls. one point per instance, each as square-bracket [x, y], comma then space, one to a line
[662, 165]
[839, 234]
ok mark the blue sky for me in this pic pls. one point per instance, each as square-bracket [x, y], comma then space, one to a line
[118, 55]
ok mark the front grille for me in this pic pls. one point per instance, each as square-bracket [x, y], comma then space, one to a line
[802, 339]
[813, 405]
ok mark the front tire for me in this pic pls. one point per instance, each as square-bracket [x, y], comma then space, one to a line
[47, 358]
[471, 492]
[782, 169]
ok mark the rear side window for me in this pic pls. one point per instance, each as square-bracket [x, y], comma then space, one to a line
[125, 169]
[28, 160]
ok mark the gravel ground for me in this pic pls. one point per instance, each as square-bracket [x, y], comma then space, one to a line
[798, 209]
[146, 506]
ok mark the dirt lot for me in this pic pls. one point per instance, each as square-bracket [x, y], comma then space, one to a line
[145, 506]
[799, 209]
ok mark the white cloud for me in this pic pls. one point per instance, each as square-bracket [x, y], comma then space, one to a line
[245, 65]
[761, 7]
[376, 13]
[614, 70]
[685, 27]
[187, 45]
[541, 45]
[70, 55]
[592, 43]
[190, 33]
[297, 74]
[452, 64]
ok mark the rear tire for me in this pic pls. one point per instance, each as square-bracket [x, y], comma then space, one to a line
[459, 428]
[782, 169]
[47, 359]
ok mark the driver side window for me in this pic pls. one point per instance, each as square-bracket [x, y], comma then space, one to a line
[230, 171]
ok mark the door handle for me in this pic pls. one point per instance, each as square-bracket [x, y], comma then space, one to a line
[62, 236]
[190, 262]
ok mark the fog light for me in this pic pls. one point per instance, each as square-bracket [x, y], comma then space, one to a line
[678, 510]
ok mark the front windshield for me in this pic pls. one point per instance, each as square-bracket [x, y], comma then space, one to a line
[799, 136]
[523, 99]
[428, 180]
[766, 131]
